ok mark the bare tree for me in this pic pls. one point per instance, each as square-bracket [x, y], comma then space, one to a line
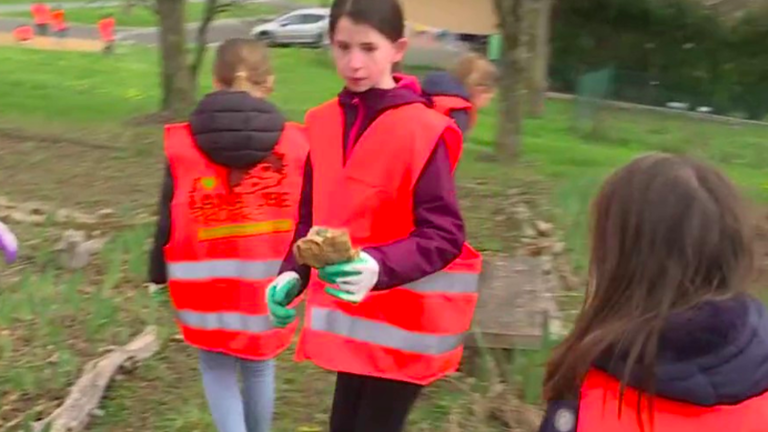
[212, 8]
[177, 83]
[179, 72]
[539, 47]
[512, 86]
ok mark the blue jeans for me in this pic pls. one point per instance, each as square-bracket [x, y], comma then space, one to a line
[233, 411]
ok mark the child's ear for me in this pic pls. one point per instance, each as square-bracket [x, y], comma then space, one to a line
[401, 46]
[217, 85]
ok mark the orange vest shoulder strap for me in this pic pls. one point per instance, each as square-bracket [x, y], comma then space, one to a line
[325, 129]
[180, 149]
[327, 120]
[177, 134]
[295, 135]
[329, 108]
[446, 104]
[451, 134]
[448, 131]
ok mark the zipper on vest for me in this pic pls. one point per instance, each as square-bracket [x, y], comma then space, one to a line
[352, 138]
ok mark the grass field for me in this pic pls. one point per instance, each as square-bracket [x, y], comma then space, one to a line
[52, 322]
[144, 17]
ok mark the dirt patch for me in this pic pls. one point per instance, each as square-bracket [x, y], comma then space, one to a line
[55, 44]
[124, 178]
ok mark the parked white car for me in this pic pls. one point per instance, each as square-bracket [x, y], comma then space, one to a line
[303, 26]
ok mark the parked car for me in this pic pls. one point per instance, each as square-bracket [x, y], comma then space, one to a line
[303, 26]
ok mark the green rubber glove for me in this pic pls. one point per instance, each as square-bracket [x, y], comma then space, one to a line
[280, 293]
[354, 279]
[158, 293]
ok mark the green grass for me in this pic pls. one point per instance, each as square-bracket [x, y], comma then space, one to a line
[90, 96]
[95, 98]
[86, 92]
[575, 164]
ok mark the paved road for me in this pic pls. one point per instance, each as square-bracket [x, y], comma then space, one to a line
[218, 31]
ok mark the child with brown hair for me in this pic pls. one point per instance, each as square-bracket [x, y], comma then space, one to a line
[391, 320]
[467, 87]
[227, 212]
[668, 338]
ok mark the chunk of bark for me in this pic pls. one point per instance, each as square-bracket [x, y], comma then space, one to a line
[325, 246]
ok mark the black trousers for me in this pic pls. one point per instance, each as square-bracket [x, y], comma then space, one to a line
[368, 404]
[41, 29]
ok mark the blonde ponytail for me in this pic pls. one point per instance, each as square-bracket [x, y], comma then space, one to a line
[243, 64]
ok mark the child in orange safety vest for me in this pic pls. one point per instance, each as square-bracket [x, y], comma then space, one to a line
[106, 26]
[467, 87]
[41, 15]
[23, 33]
[381, 166]
[227, 212]
[59, 21]
[668, 339]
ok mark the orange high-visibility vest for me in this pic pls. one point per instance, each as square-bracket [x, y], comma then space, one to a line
[412, 333]
[59, 22]
[41, 13]
[23, 33]
[446, 104]
[227, 244]
[599, 404]
[106, 29]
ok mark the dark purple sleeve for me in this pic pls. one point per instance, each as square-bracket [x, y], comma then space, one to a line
[302, 227]
[439, 234]
[157, 266]
[461, 117]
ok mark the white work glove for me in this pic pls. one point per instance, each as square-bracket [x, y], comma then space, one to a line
[354, 279]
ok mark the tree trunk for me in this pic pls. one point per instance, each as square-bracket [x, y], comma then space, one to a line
[511, 87]
[540, 55]
[177, 86]
[201, 39]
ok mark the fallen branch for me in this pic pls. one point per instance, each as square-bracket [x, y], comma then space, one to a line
[84, 397]
[22, 419]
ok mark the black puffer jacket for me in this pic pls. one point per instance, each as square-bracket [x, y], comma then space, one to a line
[232, 129]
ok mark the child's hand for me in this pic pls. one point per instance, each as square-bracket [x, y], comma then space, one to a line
[9, 245]
[158, 292]
[354, 279]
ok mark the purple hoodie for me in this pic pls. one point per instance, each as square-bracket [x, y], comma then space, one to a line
[439, 234]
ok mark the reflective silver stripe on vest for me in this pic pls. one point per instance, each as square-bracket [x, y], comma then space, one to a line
[232, 269]
[379, 333]
[225, 321]
[446, 282]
